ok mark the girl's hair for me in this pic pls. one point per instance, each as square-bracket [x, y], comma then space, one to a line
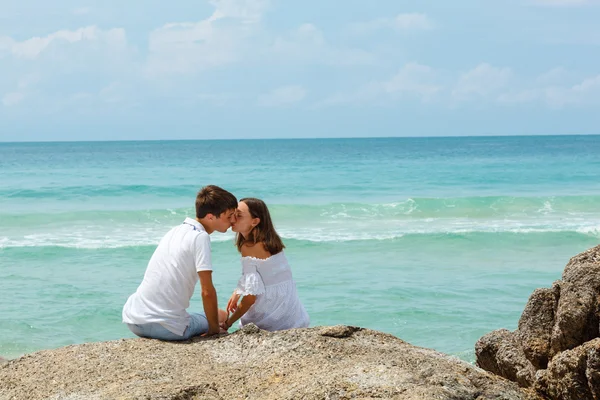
[264, 232]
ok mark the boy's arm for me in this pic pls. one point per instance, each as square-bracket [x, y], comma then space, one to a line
[209, 301]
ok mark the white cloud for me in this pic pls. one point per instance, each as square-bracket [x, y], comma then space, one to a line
[418, 82]
[482, 81]
[183, 48]
[307, 44]
[14, 98]
[247, 11]
[283, 96]
[414, 80]
[587, 92]
[301, 43]
[550, 89]
[307, 33]
[189, 47]
[22, 90]
[401, 23]
[65, 59]
[556, 96]
[33, 47]
[590, 85]
[554, 76]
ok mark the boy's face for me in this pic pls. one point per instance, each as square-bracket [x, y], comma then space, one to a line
[224, 221]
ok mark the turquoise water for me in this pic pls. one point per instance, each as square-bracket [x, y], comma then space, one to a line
[435, 240]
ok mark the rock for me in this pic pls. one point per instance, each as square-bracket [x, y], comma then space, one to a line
[316, 363]
[555, 346]
[250, 329]
[573, 374]
[536, 325]
[339, 331]
[500, 353]
[583, 269]
[576, 319]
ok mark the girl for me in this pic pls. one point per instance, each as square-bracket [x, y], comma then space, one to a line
[268, 291]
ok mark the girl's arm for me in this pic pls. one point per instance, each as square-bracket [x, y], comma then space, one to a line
[257, 251]
[245, 304]
[233, 302]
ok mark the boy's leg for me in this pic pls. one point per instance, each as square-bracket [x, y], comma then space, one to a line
[198, 325]
[154, 331]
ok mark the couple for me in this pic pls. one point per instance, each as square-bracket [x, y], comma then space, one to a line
[266, 289]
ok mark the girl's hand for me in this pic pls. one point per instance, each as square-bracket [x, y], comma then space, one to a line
[233, 303]
[224, 327]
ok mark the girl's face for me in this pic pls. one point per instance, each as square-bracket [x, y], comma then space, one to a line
[244, 222]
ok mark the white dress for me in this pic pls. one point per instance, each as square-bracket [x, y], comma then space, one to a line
[277, 306]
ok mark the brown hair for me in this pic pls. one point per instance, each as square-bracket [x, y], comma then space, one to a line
[264, 232]
[213, 200]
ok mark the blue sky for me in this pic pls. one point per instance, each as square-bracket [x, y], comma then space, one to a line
[105, 70]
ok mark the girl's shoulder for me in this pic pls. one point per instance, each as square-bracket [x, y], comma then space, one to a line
[255, 251]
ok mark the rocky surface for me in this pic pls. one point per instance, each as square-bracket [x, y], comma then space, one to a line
[555, 348]
[338, 362]
[572, 374]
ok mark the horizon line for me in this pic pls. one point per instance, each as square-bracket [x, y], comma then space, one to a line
[298, 138]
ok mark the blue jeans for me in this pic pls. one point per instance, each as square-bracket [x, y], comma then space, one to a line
[198, 325]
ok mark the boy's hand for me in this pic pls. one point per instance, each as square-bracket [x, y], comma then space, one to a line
[212, 332]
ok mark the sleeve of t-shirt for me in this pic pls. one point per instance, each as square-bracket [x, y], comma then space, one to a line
[202, 257]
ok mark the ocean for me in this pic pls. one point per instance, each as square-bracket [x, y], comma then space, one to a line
[434, 240]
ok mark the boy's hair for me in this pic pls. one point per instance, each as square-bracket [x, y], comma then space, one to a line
[213, 200]
[264, 232]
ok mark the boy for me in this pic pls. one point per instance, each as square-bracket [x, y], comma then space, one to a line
[158, 308]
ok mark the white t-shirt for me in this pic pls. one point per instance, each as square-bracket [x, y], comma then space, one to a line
[170, 278]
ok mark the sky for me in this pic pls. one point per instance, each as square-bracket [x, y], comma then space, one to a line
[226, 69]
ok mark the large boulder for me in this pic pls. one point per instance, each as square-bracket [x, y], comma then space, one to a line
[555, 344]
[500, 353]
[338, 362]
[572, 374]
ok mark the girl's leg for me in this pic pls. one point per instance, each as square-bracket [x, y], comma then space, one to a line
[222, 316]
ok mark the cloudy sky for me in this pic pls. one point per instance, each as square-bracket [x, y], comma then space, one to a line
[197, 69]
